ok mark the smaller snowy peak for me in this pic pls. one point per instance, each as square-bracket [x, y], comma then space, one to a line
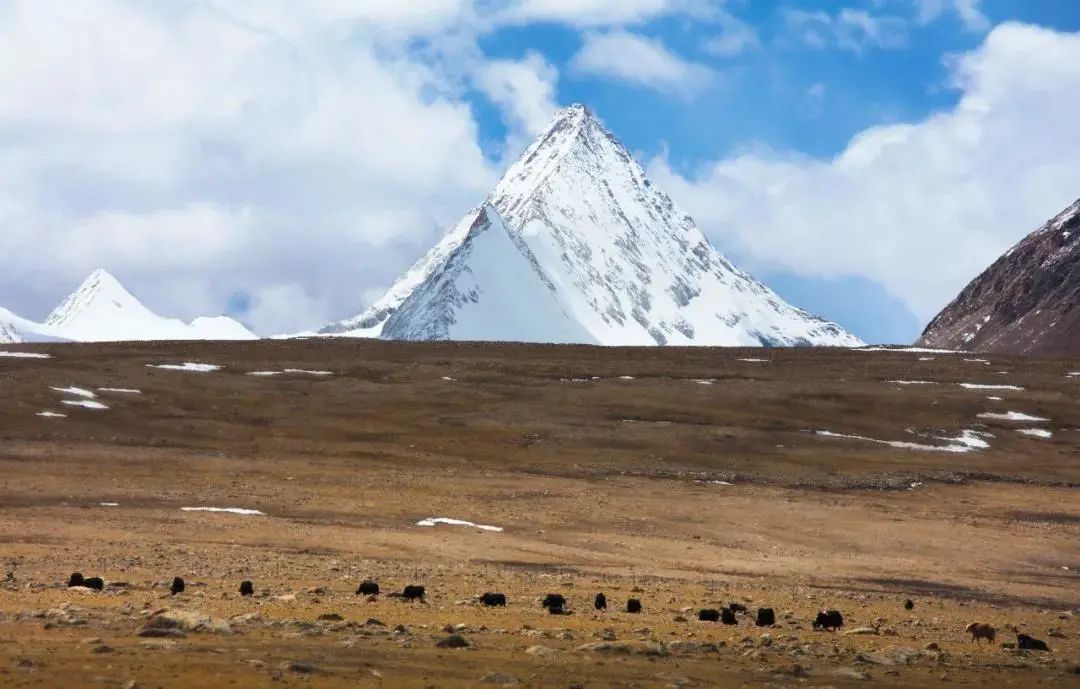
[103, 310]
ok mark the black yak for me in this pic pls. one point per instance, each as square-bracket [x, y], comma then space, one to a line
[829, 619]
[1030, 643]
[765, 617]
[728, 617]
[709, 615]
[633, 606]
[96, 583]
[600, 602]
[367, 588]
[76, 579]
[177, 586]
[247, 588]
[980, 630]
[412, 593]
[493, 600]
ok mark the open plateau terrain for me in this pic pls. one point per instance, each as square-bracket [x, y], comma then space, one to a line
[688, 478]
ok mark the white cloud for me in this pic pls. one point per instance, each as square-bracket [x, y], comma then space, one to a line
[592, 13]
[525, 89]
[640, 60]
[923, 207]
[735, 37]
[969, 12]
[850, 29]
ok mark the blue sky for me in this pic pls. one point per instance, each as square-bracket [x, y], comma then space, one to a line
[285, 161]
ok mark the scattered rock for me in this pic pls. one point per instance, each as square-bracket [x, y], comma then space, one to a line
[187, 621]
[331, 617]
[102, 648]
[645, 648]
[498, 678]
[300, 668]
[932, 646]
[155, 633]
[454, 641]
[861, 630]
[541, 651]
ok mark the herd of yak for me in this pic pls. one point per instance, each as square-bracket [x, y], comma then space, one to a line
[555, 604]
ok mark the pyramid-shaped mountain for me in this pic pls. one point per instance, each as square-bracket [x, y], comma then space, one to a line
[102, 310]
[1027, 302]
[576, 244]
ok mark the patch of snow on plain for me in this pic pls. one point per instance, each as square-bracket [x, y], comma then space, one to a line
[263, 373]
[448, 379]
[756, 361]
[1011, 416]
[25, 355]
[229, 510]
[1036, 432]
[310, 373]
[994, 399]
[432, 521]
[704, 382]
[913, 382]
[109, 504]
[913, 350]
[722, 483]
[988, 386]
[626, 378]
[927, 358]
[1073, 374]
[51, 415]
[78, 392]
[977, 361]
[965, 442]
[86, 404]
[191, 366]
[121, 391]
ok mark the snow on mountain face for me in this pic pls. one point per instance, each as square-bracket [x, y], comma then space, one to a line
[1027, 302]
[486, 289]
[623, 263]
[101, 310]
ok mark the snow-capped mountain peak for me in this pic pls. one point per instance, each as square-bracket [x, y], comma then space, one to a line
[621, 261]
[100, 298]
[103, 310]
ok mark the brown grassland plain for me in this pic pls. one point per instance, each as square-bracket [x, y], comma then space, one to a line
[687, 478]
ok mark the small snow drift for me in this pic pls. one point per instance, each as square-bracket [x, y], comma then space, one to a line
[78, 392]
[1036, 432]
[432, 521]
[191, 366]
[967, 441]
[913, 350]
[228, 510]
[309, 373]
[988, 386]
[51, 415]
[263, 374]
[121, 391]
[24, 355]
[755, 361]
[109, 504]
[85, 404]
[1011, 416]
[912, 382]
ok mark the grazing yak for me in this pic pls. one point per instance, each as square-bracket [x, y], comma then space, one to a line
[829, 619]
[96, 583]
[413, 592]
[247, 588]
[981, 630]
[367, 588]
[1030, 643]
[600, 602]
[909, 604]
[728, 617]
[554, 602]
[177, 586]
[709, 615]
[76, 579]
[493, 600]
[633, 606]
[766, 617]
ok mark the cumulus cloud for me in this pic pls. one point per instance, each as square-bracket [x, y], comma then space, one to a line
[640, 60]
[969, 12]
[849, 29]
[920, 207]
[735, 36]
[525, 89]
